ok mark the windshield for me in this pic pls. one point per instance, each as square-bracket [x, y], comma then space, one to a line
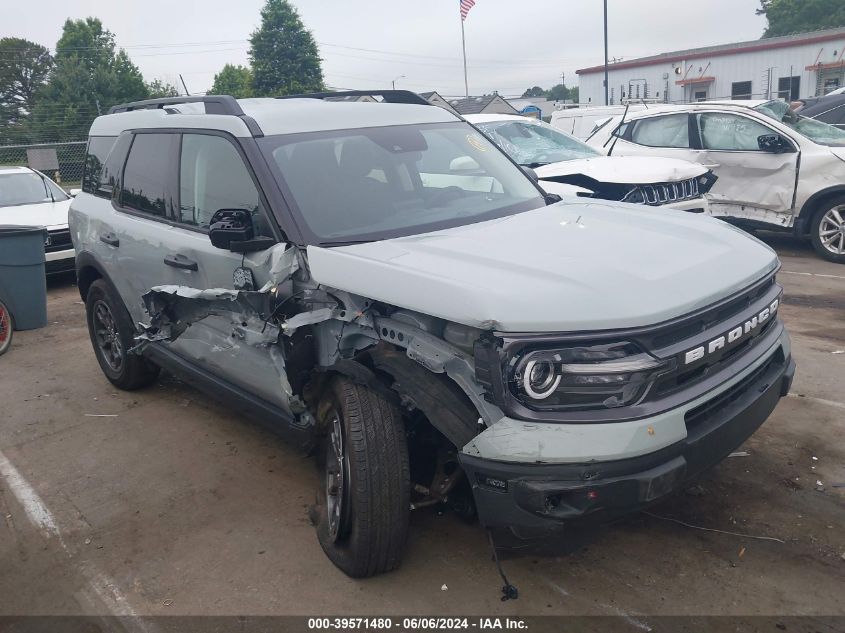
[376, 183]
[816, 131]
[534, 144]
[28, 188]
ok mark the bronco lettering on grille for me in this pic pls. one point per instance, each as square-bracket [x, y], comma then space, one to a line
[732, 336]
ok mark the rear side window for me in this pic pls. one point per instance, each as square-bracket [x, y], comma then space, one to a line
[148, 176]
[107, 184]
[98, 150]
[662, 131]
[212, 176]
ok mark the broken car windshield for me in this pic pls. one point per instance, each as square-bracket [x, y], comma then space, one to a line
[816, 131]
[377, 183]
[533, 145]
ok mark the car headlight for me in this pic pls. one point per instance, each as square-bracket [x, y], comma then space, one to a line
[585, 377]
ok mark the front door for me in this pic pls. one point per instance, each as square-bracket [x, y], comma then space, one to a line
[172, 185]
[753, 184]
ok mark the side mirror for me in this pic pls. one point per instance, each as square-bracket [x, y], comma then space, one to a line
[228, 227]
[530, 173]
[74, 192]
[772, 143]
[464, 163]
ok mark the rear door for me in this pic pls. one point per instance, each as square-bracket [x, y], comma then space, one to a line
[752, 184]
[666, 135]
[172, 185]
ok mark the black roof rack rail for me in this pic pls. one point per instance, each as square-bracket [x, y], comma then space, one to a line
[389, 96]
[214, 104]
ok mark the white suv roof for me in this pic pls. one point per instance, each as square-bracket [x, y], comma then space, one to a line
[272, 116]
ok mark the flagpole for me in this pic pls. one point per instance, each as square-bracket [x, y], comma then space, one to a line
[464, 44]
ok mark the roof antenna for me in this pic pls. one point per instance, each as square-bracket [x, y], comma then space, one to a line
[509, 592]
[184, 86]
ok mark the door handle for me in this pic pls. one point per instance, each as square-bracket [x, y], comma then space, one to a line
[180, 261]
[110, 239]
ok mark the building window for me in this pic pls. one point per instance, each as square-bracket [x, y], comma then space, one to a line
[789, 87]
[741, 90]
[701, 95]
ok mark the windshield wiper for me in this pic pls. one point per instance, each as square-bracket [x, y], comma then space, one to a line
[536, 164]
[345, 242]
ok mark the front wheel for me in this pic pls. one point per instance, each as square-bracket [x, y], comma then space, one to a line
[7, 326]
[828, 230]
[113, 335]
[363, 496]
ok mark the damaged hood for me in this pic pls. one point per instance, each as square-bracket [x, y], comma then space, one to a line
[570, 266]
[634, 170]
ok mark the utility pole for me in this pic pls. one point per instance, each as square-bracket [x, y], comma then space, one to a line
[464, 46]
[606, 86]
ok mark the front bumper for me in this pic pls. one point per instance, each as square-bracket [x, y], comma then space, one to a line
[60, 261]
[537, 499]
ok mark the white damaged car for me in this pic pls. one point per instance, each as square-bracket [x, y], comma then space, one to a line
[777, 169]
[568, 166]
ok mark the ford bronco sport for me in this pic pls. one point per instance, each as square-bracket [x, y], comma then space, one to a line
[433, 336]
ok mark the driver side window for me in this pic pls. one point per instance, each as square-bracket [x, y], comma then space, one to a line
[212, 176]
[730, 132]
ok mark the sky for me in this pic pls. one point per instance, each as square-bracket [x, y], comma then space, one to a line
[510, 45]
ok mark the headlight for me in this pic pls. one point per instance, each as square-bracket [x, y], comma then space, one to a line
[585, 377]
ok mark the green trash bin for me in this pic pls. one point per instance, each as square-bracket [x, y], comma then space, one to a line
[23, 282]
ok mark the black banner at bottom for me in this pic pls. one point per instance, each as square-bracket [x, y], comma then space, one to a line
[402, 624]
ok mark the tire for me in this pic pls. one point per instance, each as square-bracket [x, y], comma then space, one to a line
[371, 480]
[112, 335]
[7, 327]
[827, 230]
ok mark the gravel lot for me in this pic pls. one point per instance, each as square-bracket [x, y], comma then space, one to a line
[173, 505]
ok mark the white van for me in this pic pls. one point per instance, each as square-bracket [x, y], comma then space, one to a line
[582, 122]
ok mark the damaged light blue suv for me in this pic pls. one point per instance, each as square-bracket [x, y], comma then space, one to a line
[384, 285]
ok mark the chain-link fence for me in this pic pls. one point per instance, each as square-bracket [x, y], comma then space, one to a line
[63, 162]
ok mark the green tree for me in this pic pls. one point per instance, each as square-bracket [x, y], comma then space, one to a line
[233, 80]
[536, 91]
[558, 92]
[24, 68]
[89, 77]
[284, 54]
[157, 89]
[785, 17]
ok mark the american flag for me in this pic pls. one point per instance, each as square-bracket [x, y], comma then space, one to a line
[466, 5]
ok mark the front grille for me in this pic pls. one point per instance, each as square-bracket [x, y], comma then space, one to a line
[57, 241]
[676, 381]
[665, 193]
[701, 329]
[707, 410]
